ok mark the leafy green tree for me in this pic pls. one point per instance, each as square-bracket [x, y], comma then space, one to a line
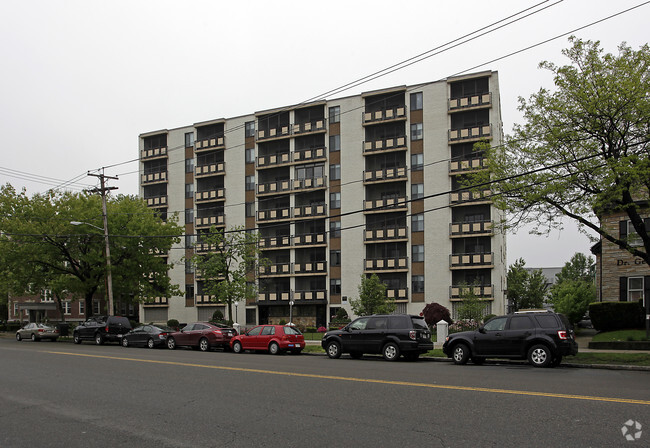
[45, 251]
[471, 308]
[372, 298]
[574, 289]
[525, 289]
[583, 149]
[229, 265]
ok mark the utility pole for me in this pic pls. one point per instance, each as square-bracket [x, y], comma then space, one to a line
[109, 278]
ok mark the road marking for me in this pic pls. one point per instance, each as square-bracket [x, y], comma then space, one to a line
[367, 380]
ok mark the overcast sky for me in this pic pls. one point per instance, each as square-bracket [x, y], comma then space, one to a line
[82, 79]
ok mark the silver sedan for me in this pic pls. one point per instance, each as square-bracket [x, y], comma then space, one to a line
[36, 332]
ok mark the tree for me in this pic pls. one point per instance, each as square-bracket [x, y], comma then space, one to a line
[434, 313]
[574, 289]
[583, 149]
[525, 289]
[230, 264]
[471, 308]
[45, 251]
[372, 298]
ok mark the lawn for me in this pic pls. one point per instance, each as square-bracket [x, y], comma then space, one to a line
[620, 335]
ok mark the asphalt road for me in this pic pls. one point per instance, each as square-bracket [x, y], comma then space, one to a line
[65, 395]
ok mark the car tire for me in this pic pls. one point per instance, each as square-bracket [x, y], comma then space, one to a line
[478, 360]
[356, 355]
[237, 347]
[125, 342]
[539, 356]
[151, 343]
[460, 354]
[274, 348]
[34, 338]
[204, 345]
[390, 352]
[171, 343]
[19, 337]
[76, 339]
[333, 350]
[99, 340]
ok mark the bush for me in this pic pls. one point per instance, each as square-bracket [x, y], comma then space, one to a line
[217, 316]
[173, 323]
[282, 322]
[434, 313]
[322, 330]
[341, 314]
[133, 323]
[611, 316]
[310, 330]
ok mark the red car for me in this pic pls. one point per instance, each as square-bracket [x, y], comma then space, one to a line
[272, 338]
[202, 335]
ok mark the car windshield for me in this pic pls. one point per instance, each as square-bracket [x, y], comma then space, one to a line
[419, 323]
[164, 328]
[291, 330]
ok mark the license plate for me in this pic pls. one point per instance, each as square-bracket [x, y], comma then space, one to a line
[119, 335]
[298, 345]
[290, 345]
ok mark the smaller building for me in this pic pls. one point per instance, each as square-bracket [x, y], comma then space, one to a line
[44, 308]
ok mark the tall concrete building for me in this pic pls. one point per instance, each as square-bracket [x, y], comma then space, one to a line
[337, 189]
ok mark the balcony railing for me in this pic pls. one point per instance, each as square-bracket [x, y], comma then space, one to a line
[398, 294]
[157, 201]
[210, 195]
[310, 183]
[209, 143]
[309, 127]
[393, 204]
[156, 302]
[316, 267]
[205, 247]
[386, 234]
[466, 261]
[277, 187]
[386, 264]
[209, 221]
[309, 155]
[310, 295]
[472, 133]
[385, 145]
[275, 242]
[273, 296]
[470, 197]
[393, 113]
[463, 166]
[310, 239]
[480, 228]
[291, 158]
[470, 101]
[386, 174]
[272, 160]
[154, 153]
[480, 291]
[210, 169]
[276, 214]
[154, 178]
[282, 131]
[275, 269]
[309, 211]
[204, 299]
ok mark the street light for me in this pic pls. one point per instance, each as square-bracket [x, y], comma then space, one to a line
[109, 277]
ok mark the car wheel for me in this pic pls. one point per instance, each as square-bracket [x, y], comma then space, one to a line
[333, 350]
[150, 343]
[171, 343]
[34, 338]
[539, 355]
[76, 339]
[274, 348]
[18, 337]
[99, 340]
[460, 354]
[412, 356]
[356, 355]
[125, 342]
[236, 347]
[478, 360]
[390, 352]
[204, 345]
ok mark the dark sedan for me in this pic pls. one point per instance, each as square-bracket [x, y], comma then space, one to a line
[147, 336]
[202, 335]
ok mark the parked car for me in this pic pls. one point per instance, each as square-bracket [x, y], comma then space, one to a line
[275, 339]
[542, 337]
[390, 335]
[37, 332]
[150, 336]
[202, 335]
[102, 329]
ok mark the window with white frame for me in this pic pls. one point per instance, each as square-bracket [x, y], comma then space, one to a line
[96, 307]
[634, 288]
[46, 295]
[629, 232]
[82, 307]
[67, 307]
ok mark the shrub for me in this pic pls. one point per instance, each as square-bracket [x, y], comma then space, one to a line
[322, 330]
[282, 322]
[173, 323]
[341, 314]
[217, 316]
[310, 330]
[610, 316]
[462, 325]
[434, 313]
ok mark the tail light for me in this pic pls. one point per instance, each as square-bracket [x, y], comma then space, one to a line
[40, 330]
[412, 335]
[162, 335]
[563, 334]
[106, 328]
[217, 332]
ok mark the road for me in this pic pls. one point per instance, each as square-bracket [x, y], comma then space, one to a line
[59, 394]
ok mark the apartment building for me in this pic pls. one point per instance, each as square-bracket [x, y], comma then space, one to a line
[337, 189]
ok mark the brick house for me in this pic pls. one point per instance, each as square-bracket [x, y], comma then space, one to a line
[41, 307]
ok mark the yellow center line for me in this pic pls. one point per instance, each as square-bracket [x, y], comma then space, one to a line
[367, 380]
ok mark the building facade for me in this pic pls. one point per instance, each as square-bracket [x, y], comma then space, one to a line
[337, 190]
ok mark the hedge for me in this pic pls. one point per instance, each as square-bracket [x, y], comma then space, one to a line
[610, 316]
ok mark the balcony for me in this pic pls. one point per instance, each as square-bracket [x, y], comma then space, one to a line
[398, 264]
[152, 302]
[464, 229]
[209, 144]
[399, 295]
[213, 169]
[310, 295]
[470, 102]
[309, 211]
[273, 133]
[390, 234]
[209, 221]
[385, 145]
[277, 187]
[275, 242]
[275, 270]
[159, 177]
[217, 195]
[310, 239]
[474, 133]
[157, 201]
[470, 197]
[384, 115]
[293, 158]
[471, 261]
[205, 300]
[277, 214]
[202, 248]
[309, 127]
[274, 160]
[393, 204]
[273, 296]
[480, 291]
[309, 155]
[153, 153]
[310, 268]
[385, 175]
[309, 184]
[464, 166]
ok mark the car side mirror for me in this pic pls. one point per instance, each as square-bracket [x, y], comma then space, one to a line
[481, 329]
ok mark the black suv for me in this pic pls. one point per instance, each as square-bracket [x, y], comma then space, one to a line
[102, 329]
[543, 337]
[389, 335]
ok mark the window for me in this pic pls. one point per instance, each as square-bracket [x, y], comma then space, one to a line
[417, 162]
[189, 215]
[189, 241]
[417, 191]
[67, 309]
[250, 155]
[335, 229]
[335, 286]
[497, 324]
[189, 292]
[335, 200]
[46, 295]
[335, 172]
[335, 258]
[189, 267]
[416, 131]
[189, 191]
[521, 323]
[335, 143]
[189, 165]
[250, 209]
[268, 330]
[335, 114]
[417, 223]
[418, 283]
[82, 307]
[249, 129]
[189, 139]
[418, 252]
[416, 101]
[250, 183]
[634, 289]
[627, 232]
[96, 307]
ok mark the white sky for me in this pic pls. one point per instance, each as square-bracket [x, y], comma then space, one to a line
[82, 79]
